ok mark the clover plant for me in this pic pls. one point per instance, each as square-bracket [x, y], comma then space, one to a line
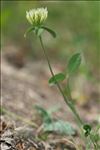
[37, 18]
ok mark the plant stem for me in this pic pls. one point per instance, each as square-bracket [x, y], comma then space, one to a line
[67, 101]
[66, 98]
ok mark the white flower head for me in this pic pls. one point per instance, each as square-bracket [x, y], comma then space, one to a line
[37, 16]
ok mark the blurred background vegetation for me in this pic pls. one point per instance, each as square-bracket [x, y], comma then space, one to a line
[77, 24]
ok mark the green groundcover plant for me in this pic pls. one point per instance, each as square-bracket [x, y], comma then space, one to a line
[37, 18]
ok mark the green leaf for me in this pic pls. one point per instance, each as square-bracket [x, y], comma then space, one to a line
[50, 31]
[44, 114]
[57, 78]
[74, 63]
[29, 30]
[40, 31]
[60, 127]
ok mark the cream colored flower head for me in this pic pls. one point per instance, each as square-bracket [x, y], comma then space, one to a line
[37, 16]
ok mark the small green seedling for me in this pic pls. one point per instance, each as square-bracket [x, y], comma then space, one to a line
[51, 124]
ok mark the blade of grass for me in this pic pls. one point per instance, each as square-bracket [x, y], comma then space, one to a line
[11, 114]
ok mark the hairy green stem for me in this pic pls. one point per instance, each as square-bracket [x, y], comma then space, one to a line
[67, 101]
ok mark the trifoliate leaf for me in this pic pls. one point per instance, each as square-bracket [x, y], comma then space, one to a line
[57, 78]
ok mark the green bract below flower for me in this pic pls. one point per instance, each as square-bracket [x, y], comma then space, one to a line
[37, 16]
